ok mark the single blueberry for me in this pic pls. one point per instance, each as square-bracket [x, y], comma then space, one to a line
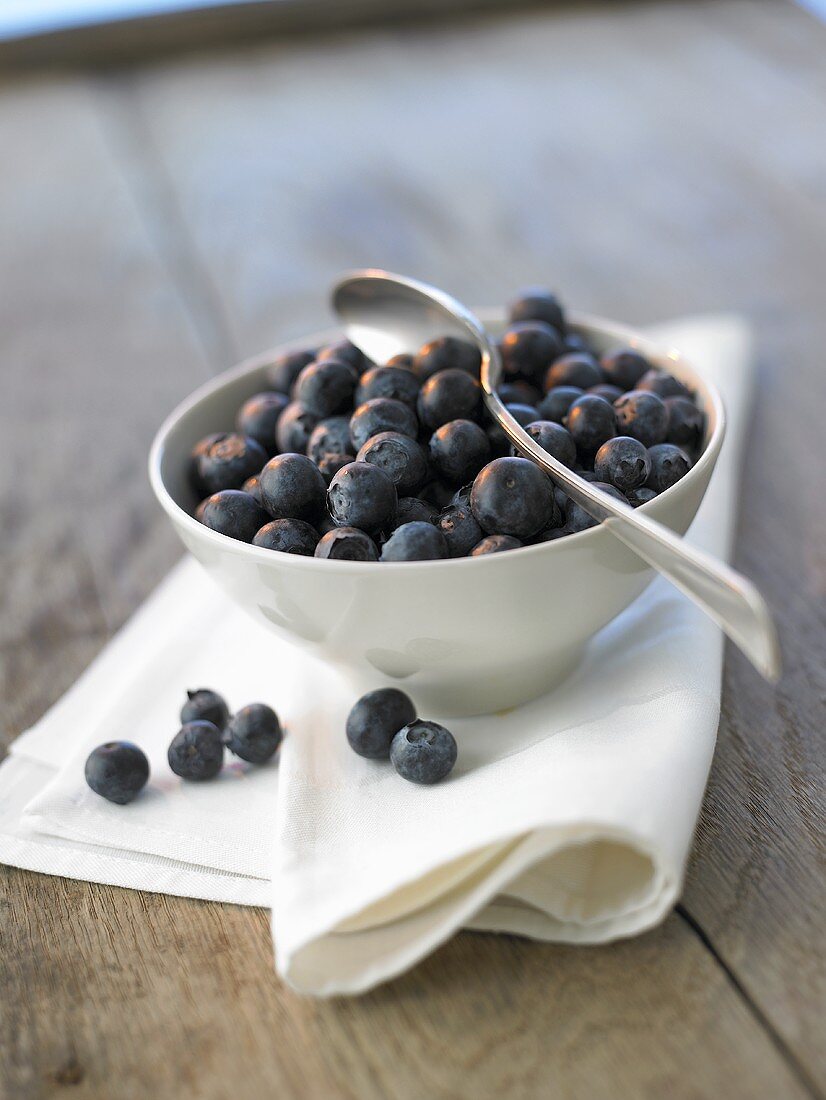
[254, 733]
[512, 496]
[423, 752]
[330, 464]
[577, 368]
[205, 705]
[232, 512]
[414, 508]
[624, 367]
[361, 495]
[462, 495]
[281, 374]
[382, 414]
[663, 384]
[536, 304]
[326, 387]
[519, 392]
[294, 427]
[642, 415]
[606, 390]
[669, 463]
[460, 529]
[292, 487]
[403, 359]
[527, 349]
[415, 541]
[556, 402]
[642, 495]
[402, 459]
[117, 771]
[446, 353]
[449, 395]
[495, 544]
[389, 381]
[329, 436]
[623, 462]
[577, 519]
[228, 461]
[201, 448]
[500, 445]
[347, 544]
[554, 439]
[591, 420]
[289, 536]
[253, 486]
[375, 720]
[686, 423]
[258, 417]
[196, 751]
[346, 352]
[577, 341]
[459, 450]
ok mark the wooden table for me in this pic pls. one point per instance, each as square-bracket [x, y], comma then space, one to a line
[158, 222]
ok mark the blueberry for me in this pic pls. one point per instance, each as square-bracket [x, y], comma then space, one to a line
[445, 353]
[196, 751]
[295, 425]
[527, 348]
[623, 462]
[253, 486]
[232, 512]
[289, 536]
[330, 464]
[292, 487]
[330, 436]
[449, 395]
[389, 381]
[512, 496]
[402, 459]
[117, 771]
[414, 508]
[228, 461]
[382, 414]
[577, 368]
[437, 492]
[326, 387]
[642, 495]
[462, 495]
[423, 752]
[258, 417]
[495, 544]
[281, 375]
[643, 416]
[458, 450]
[499, 443]
[554, 439]
[415, 541]
[254, 733]
[460, 529]
[663, 384]
[606, 390]
[577, 519]
[518, 392]
[403, 359]
[346, 352]
[375, 720]
[556, 402]
[201, 448]
[686, 423]
[591, 420]
[361, 495]
[205, 705]
[347, 544]
[575, 341]
[624, 367]
[535, 304]
[668, 464]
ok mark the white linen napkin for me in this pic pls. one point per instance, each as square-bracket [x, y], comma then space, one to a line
[569, 819]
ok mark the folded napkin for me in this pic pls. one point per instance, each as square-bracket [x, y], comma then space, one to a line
[568, 819]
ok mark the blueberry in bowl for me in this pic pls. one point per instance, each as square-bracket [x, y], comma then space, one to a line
[449, 579]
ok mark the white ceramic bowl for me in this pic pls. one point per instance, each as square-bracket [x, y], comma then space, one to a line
[463, 636]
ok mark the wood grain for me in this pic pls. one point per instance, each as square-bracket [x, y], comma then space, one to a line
[158, 222]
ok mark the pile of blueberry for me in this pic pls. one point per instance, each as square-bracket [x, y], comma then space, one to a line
[341, 458]
[383, 725]
[119, 770]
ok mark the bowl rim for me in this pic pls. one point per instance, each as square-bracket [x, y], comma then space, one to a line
[615, 331]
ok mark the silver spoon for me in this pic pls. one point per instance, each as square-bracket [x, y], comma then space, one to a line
[386, 314]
